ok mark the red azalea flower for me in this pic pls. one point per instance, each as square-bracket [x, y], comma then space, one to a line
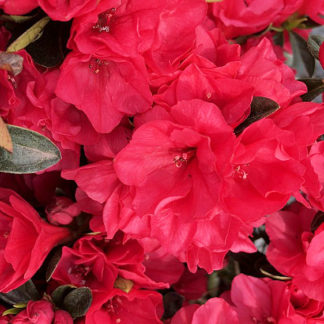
[114, 272]
[216, 310]
[105, 89]
[295, 250]
[26, 240]
[262, 301]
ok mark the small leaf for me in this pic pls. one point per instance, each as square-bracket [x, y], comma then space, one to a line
[32, 152]
[21, 305]
[29, 36]
[261, 107]
[15, 19]
[21, 295]
[317, 221]
[5, 139]
[60, 292]
[314, 42]
[314, 88]
[125, 285]
[11, 311]
[78, 301]
[301, 52]
[53, 262]
[12, 63]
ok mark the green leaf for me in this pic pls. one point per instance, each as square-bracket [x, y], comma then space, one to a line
[314, 88]
[314, 42]
[32, 152]
[15, 19]
[11, 311]
[301, 53]
[21, 305]
[78, 301]
[29, 36]
[21, 295]
[261, 107]
[60, 293]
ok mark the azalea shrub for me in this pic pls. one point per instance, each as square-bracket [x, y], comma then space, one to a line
[161, 161]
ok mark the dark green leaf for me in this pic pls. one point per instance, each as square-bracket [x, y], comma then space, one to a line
[78, 301]
[314, 88]
[314, 42]
[32, 152]
[21, 294]
[50, 49]
[53, 262]
[60, 293]
[301, 52]
[172, 302]
[317, 221]
[261, 107]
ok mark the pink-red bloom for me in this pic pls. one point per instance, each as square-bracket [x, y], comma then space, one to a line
[295, 248]
[25, 241]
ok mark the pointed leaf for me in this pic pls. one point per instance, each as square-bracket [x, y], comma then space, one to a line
[261, 107]
[32, 152]
[78, 301]
[314, 42]
[11, 311]
[301, 52]
[53, 262]
[314, 88]
[21, 295]
[5, 139]
[29, 36]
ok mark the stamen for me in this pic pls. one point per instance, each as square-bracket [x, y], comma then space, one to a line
[104, 21]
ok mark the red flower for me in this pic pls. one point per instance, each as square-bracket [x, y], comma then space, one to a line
[18, 7]
[243, 17]
[216, 310]
[262, 301]
[26, 240]
[295, 250]
[105, 89]
[114, 272]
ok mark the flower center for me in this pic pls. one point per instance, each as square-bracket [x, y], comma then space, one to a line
[96, 64]
[184, 157]
[240, 172]
[104, 21]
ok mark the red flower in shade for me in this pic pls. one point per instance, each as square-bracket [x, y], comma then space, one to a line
[295, 250]
[114, 272]
[104, 89]
[25, 240]
[18, 7]
[42, 312]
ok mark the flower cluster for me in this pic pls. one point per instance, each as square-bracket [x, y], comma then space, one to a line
[185, 139]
